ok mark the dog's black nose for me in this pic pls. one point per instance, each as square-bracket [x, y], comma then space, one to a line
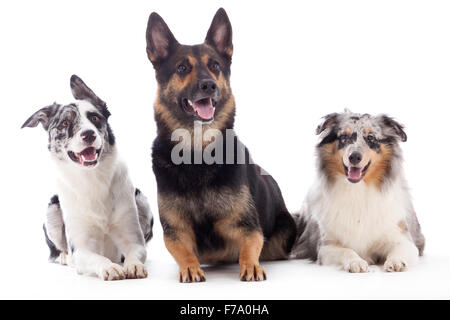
[355, 158]
[207, 86]
[88, 136]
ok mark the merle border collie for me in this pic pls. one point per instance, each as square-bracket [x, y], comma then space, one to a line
[359, 210]
[98, 219]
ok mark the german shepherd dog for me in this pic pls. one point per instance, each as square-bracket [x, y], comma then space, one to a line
[210, 212]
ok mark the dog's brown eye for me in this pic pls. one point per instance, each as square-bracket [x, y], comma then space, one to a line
[215, 66]
[65, 124]
[181, 68]
[95, 119]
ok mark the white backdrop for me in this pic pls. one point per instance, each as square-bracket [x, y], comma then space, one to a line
[294, 62]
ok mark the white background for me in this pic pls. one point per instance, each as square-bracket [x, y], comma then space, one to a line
[294, 62]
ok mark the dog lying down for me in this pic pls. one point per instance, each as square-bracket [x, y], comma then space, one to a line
[98, 219]
[359, 210]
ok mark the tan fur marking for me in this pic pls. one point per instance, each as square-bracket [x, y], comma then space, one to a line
[190, 270]
[347, 131]
[176, 84]
[228, 51]
[251, 246]
[367, 131]
[192, 60]
[380, 163]
[205, 59]
[181, 250]
[166, 115]
[224, 115]
[336, 243]
[403, 227]
[182, 247]
[332, 160]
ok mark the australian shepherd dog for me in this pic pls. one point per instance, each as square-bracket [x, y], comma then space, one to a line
[359, 210]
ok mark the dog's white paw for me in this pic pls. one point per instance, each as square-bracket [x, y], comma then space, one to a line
[395, 265]
[112, 272]
[62, 259]
[357, 266]
[135, 271]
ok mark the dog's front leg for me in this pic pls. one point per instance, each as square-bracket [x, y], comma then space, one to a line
[251, 244]
[91, 263]
[334, 254]
[135, 255]
[84, 247]
[401, 255]
[86, 243]
[182, 250]
[129, 240]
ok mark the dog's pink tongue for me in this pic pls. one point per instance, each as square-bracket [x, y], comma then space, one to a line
[89, 154]
[204, 108]
[354, 173]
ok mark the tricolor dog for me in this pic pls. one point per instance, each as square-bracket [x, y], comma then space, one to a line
[97, 219]
[359, 210]
[219, 211]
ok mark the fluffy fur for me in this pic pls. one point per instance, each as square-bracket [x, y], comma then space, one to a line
[98, 218]
[359, 210]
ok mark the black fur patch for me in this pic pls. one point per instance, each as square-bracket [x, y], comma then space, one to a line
[54, 200]
[191, 182]
[54, 251]
[330, 138]
[111, 137]
[148, 236]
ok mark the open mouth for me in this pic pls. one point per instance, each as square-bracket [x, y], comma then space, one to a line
[202, 109]
[87, 158]
[355, 174]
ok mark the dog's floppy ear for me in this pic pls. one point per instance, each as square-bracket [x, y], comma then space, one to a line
[160, 40]
[43, 116]
[329, 120]
[394, 127]
[81, 91]
[220, 34]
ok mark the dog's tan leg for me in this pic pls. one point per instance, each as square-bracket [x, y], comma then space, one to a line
[182, 251]
[250, 250]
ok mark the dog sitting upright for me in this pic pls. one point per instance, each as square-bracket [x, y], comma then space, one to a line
[211, 211]
[359, 210]
[98, 218]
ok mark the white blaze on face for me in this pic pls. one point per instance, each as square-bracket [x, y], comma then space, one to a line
[87, 151]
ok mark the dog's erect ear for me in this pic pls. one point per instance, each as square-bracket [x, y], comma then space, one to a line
[160, 40]
[394, 127]
[81, 91]
[220, 34]
[42, 116]
[329, 120]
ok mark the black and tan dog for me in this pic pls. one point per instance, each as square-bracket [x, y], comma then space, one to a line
[219, 212]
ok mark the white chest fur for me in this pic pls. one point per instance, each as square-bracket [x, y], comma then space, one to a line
[88, 195]
[358, 216]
